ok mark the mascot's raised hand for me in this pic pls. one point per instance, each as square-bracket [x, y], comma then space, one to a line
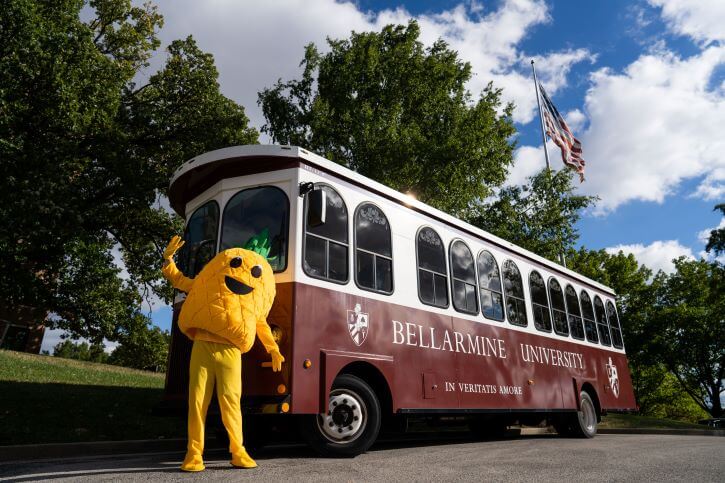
[174, 245]
[226, 306]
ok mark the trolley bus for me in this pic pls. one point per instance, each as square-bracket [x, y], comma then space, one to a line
[387, 308]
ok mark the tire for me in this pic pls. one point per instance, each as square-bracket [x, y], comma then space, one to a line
[352, 423]
[583, 423]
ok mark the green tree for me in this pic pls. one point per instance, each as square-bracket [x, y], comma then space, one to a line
[142, 346]
[716, 242]
[690, 329]
[80, 351]
[540, 216]
[86, 155]
[385, 106]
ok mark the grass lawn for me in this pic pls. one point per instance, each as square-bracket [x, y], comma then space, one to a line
[45, 399]
[635, 421]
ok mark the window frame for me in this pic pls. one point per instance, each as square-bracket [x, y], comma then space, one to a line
[569, 315]
[548, 302]
[619, 324]
[287, 221]
[478, 286]
[418, 268]
[523, 293]
[606, 321]
[327, 240]
[593, 319]
[183, 266]
[375, 255]
[452, 278]
[566, 314]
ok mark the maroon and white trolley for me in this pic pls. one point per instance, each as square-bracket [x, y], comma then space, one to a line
[388, 308]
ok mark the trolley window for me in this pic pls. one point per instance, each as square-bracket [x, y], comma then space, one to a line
[463, 278]
[590, 327]
[539, 302]
[489, 286]
[602, 324]
[326, 245]
[373, 250]
[614, 324]
[432, 273]
[200, 237]
[514, 291]
[254, 211]
[558, 308]
[575, 316]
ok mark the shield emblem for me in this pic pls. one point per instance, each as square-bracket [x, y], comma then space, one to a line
[357, 325]
[613, 377]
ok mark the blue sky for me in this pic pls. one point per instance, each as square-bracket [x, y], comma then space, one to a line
[641, 82]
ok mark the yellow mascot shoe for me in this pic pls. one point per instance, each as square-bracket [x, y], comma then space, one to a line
[193, 463]
[243, 460]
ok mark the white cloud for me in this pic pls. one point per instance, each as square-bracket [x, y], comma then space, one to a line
[657, 123]
[256, 43]
[657, 255]
[703, 20]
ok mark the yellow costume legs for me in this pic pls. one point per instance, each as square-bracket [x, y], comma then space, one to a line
[212, 361]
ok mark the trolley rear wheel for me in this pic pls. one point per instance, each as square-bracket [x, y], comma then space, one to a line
[581, 424]
[351, 424]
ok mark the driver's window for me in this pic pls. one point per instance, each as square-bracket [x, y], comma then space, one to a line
[200, 239]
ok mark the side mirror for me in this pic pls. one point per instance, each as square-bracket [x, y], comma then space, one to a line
[316, 207]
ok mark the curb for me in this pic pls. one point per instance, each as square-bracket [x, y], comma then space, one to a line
[95, 448]
[674, 432]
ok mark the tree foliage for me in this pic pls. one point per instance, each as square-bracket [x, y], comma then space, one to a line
[716, 241]
[540, 216]
[87, 154]
[689, 329]
[80, 351]
[142, 347]
[385, 106]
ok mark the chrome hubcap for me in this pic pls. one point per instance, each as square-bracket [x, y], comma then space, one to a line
[346, 417]
[588, 416]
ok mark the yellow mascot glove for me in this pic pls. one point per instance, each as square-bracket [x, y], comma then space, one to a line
[277, 360]
[173, 247]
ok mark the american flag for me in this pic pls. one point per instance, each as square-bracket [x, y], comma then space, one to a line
[557, 129]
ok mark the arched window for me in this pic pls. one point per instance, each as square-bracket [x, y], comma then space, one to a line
[614, 324]
[325, 246]
[514, 291]
[539, 302]
[575, 314]
[463, 278]
[432, 272]
[558, 308]
[252, 211]
[489, 286]
[590, 327]
[373, 250]
[602, 324]
[200, 236]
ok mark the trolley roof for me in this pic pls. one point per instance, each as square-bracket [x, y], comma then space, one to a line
[197, 171]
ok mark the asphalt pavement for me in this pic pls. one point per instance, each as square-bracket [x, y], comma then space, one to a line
[536, 458]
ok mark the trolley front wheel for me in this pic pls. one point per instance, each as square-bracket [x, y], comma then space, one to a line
[351, 424]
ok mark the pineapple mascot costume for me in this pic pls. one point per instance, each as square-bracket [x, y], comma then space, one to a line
[227, 304]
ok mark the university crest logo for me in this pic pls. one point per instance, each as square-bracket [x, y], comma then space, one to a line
[613, 377]
[357, 324]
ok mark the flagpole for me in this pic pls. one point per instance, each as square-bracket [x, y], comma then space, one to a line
[541, 117]
[562, 260]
